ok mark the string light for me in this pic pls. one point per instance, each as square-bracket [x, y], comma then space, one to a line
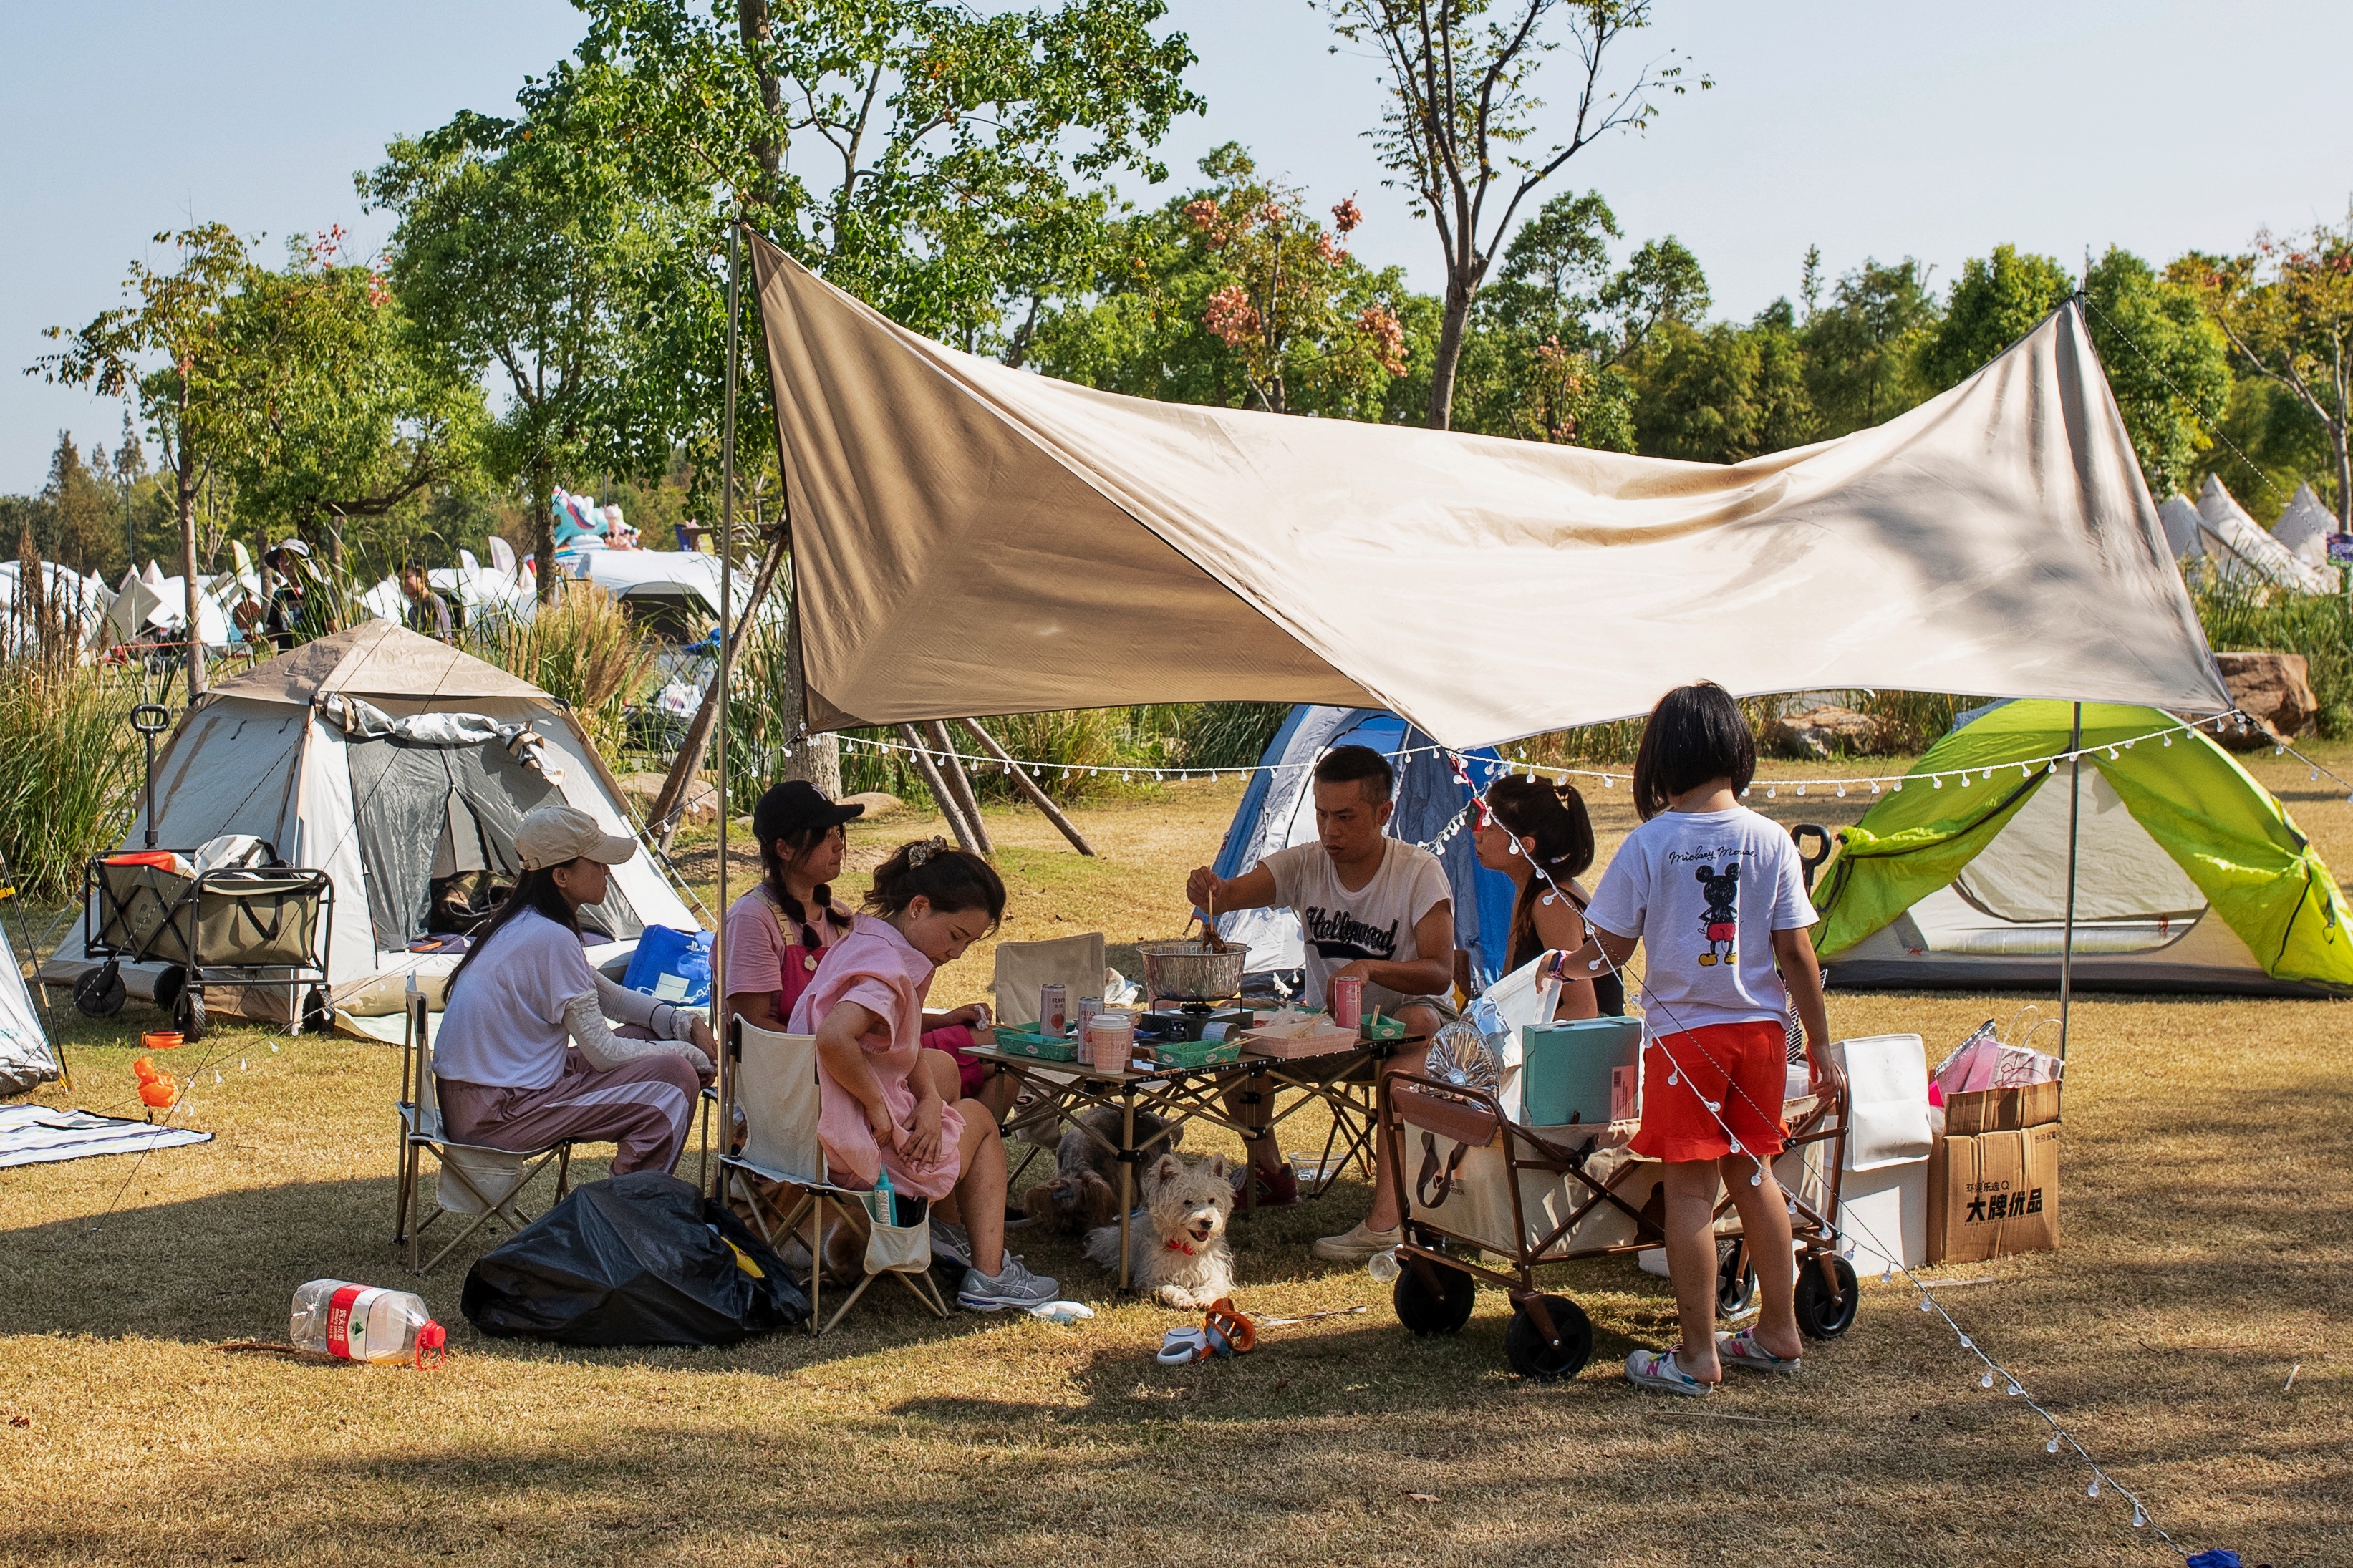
[2048, 765]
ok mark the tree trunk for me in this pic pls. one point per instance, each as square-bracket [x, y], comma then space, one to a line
[186, 488]
[1028, 786]
[2343, 477]
[663, 820]
[543, 525]
[942, 796]
[967, 800]
[751, 23]
[1448, 355]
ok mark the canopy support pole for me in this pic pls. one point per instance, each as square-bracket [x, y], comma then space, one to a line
[719, 718]
[938, 786]
[669, 805]
[1028, 786]
[968, 799]
[2074, 840]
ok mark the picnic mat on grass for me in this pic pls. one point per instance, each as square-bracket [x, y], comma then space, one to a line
[36, 1134]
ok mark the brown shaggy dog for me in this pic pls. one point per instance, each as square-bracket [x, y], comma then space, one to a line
[1084, 1192]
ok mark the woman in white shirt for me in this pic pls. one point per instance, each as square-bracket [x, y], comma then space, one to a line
[524, 997]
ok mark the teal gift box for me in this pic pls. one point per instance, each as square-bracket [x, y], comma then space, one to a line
[1568, 1071]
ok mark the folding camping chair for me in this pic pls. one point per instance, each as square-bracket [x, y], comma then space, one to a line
[1074, 963]
[472, 1179]
[775, 1085]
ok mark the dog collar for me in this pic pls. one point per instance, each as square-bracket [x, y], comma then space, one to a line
[1186, 1248]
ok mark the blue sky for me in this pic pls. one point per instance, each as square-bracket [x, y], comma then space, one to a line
[1868, 129]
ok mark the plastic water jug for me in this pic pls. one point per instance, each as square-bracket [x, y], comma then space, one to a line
[362, 1322]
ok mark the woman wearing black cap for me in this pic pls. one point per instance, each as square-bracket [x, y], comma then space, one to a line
[778, 932]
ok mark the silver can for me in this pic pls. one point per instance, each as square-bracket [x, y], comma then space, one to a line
[1053, 1009]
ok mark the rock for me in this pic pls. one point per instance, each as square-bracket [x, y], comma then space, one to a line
[1821, 732]
[701, 798]
[2272, 688]
[876, 802]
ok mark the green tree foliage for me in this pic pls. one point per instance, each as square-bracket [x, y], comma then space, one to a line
[1463, 128]
[1997, 302]
[523, 250]
[78, 521]
[1725, 393]
[1232, 295]
[1551, 336]
[175, 350]
[344, 414]
[1863, 349]
[2286, 306]
[2167, 360]
[938, 152]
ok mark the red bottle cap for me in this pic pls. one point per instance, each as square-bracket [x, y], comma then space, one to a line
[432, 1337]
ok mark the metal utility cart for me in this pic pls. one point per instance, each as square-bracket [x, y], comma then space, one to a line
[1488, 1199]
[258, 926]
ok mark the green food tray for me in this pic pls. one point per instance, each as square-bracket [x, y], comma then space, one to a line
[1196, 1053]
[1029, 1043]
[1381, 1029]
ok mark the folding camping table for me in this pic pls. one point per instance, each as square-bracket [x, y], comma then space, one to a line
[1343, 1081]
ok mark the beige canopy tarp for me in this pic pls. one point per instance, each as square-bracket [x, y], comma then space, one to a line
[973, 539]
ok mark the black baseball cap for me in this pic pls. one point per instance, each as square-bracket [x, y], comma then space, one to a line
[796, 807]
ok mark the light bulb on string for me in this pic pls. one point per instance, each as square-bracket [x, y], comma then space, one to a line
[1874, 787]
[1986, 1381]
[2169, 740]
[1842, 792]
[2015, 1391]
[2139, 1517]
[1887, 1275]
[1673, 1079]
[2094, 1489]
[1964, 781]
[1801, 789]
[1967, 1343]
[1939, 782]
[1770, 792]
[1925, 1304]
[1712, 1106]
[2052, 1445]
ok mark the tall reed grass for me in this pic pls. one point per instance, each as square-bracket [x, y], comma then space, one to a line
[2240, 617]
[581, 647]
[69, 768]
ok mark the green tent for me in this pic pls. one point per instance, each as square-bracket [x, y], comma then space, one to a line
[2191, 876]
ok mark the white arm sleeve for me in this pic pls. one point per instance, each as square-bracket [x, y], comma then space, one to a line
[585, 1016]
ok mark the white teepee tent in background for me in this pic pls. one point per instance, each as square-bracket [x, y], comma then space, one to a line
[25, 1056]
[2304, 527]
[2217, 528]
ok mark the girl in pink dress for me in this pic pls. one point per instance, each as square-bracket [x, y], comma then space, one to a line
[882, 1107]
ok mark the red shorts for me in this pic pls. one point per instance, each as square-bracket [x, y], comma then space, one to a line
[956, 1040]
[1743, 1068]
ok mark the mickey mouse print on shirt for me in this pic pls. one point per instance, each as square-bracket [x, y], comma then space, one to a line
[1719, 923]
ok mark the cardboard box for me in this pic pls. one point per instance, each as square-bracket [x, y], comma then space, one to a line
[1566, 1070]
[1991, 1194]
[2001, 1110]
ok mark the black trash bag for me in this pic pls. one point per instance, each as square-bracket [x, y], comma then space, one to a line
[632, 1260]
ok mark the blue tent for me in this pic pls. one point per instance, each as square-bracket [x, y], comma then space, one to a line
[1279, 810]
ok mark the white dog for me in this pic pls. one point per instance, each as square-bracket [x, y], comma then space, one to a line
[1182, 1259]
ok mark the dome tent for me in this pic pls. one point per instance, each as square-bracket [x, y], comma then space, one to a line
[2189, 876]
[384, 759]
[1278, 810]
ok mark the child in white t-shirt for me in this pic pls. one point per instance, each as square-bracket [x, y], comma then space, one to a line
[1715, 895]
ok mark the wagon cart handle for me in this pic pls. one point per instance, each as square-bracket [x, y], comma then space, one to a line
[1811, 861]
[150, 720]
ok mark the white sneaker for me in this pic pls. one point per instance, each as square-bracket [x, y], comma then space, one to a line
[1011, 1286]
[1356, 1245]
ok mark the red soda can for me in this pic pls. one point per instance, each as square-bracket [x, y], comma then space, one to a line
[1347, 1001]
[1053, 1009]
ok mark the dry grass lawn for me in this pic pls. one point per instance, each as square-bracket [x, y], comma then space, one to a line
[2206, 1187]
